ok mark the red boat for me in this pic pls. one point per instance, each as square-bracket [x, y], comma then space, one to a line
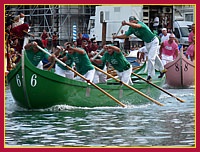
[180, 72]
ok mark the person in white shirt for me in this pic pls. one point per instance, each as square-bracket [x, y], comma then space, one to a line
[156, 23]
[18, 20]
[142, 54]
[165, 35]
[121, 41]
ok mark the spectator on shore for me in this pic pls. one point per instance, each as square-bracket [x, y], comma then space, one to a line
[54, 41]
[44, 36]
[168, 50]
[80, 39]
[165, 35]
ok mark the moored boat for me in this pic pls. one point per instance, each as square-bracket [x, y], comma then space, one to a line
[180, 72]
[33, 88]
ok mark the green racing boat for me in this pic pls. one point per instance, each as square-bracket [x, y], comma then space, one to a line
[33, 88]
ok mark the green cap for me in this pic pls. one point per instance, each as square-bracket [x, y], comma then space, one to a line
[109, 44]
[132, 18]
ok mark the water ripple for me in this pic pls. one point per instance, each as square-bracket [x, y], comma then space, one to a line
[67, 126]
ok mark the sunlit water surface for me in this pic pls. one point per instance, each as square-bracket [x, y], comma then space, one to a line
[134, 126]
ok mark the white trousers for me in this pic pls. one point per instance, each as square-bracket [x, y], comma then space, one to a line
[64, 73]
[125, 76]
[89, 76]
[166, 59]
[100, 77]
[153, 57]
[40, 65]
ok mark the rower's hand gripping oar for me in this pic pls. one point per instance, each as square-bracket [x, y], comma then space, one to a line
[88, 81]
[153, 100]
[119, 30]
[98, 54]
[157, 87]
[116, 33]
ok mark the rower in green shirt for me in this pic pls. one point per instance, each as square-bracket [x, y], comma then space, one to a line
[35, 55]
[59, 68]
[142, 31]
[82, 62]
[115, 57]
[99, 77]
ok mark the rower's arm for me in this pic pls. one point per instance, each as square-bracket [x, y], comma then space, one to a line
[133, 25]
[97, 61]
[80, 51]
[116, 49]
[120, 36]
[28, 46]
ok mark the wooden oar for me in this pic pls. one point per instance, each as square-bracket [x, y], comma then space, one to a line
[46, 64]
[98, 54]
[157, 87]
[119, 30]
[136, 67]
[116, 33]
[51, 66]
[88, 81]
[28, 33]
[139, 92]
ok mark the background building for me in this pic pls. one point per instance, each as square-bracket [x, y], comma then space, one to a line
[59, 18]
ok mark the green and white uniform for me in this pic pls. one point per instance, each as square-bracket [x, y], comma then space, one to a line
[119, 63]
[36, 58]
[100, 77]
[144, 33]
[152, 44]
[64, 71]
[83, 65]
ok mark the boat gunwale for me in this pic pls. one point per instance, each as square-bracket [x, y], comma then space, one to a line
[52, 76]
[29, 67]
[179, 57]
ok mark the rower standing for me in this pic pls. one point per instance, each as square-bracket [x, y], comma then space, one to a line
[142, 31]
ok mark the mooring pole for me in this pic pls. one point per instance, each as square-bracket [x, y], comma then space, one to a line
[104, 33]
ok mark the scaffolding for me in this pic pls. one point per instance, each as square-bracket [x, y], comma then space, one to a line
[61, 18]
[58, 18]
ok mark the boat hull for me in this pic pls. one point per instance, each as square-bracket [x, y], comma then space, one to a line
[180, 72]
[38, 89]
